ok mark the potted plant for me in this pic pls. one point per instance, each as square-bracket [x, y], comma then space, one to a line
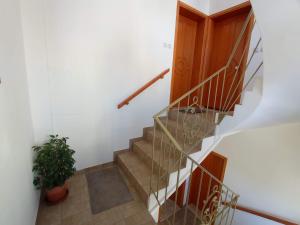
[52, 166]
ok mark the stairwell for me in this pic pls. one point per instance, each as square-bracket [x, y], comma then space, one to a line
[183, 134]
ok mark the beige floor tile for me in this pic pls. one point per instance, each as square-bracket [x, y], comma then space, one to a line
[82, 218]
[75, 210]
[49, 215]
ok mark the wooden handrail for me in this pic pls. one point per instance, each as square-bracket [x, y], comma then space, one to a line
[139, 91]
[264, 215]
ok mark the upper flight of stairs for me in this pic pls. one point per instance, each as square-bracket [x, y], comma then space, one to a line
[137, 161]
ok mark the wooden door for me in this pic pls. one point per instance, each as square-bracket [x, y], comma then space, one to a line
[216, 165]
[183, 66]
[188, 50]
[225, 30]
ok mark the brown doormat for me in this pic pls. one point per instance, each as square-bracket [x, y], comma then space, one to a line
[107, 189]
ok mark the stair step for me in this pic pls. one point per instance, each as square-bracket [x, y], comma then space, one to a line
[167, 210]
[183, 216]
[192, 122]
[162, 137]
[139, 174]
[208, 115]
[205, 116]
[191, 130]
[165, 161]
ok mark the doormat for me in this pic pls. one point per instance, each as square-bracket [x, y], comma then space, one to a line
[107, 189]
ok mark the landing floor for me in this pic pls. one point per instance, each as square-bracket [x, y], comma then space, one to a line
[75, 210]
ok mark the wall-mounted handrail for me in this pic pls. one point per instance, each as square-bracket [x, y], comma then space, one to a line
[140, 90]
[264, 215]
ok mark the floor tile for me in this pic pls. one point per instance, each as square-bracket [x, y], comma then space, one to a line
[75, 210]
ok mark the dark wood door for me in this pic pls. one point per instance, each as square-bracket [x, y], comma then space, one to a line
[216, 165]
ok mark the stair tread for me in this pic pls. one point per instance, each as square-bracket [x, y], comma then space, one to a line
[168, 162]
[158, 133]
[140, 171]
[193, 123]
[193, 119]
[167, 210]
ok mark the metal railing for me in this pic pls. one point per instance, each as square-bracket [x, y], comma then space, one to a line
[179, 130]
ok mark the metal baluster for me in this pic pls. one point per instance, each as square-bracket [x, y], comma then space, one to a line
[251, 78]
[223, 85]
[207, 107]
[236, 88]
[253, 53]
[234, 208]
[177, 117]
[152, 166]
[209, 186]
[176, 195]
[169, 158]
[216, 94]
[229, 207]
[236, 73]
[159, 164]
[201, 99]
[224, 205]
[248, 63]
[184, 118]
[198, 197]
[188, 193]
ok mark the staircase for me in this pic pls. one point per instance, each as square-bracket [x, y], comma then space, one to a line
[184, 133]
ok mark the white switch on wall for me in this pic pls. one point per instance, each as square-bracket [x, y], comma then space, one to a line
[167, 45]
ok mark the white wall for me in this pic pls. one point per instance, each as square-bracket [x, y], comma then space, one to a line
[84, 57]
[201, 5]
[281, 63]
[18, 199]
[263, 167]
[219, 5]
[243, 218]
[36, 63]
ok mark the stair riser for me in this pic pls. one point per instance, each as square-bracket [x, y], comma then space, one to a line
[162, 144]
[185, 134]
[143, 195]
[163, 147]
[158, 137]
[209, 118]
[158, 169]
[159, 134]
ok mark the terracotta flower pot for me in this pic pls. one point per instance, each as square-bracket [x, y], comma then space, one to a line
[57, 194]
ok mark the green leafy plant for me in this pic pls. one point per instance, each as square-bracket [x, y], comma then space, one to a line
[53, 163]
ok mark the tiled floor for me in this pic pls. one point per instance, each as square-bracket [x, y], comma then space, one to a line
[75, 210]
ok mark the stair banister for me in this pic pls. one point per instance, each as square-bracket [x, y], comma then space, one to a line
[179, 130]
